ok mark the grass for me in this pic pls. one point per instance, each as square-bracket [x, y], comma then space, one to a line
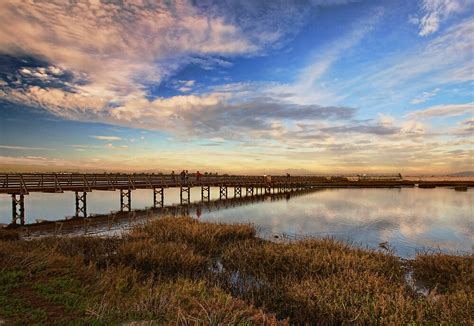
[182, 271]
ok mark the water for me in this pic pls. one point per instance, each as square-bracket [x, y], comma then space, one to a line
[409, 219]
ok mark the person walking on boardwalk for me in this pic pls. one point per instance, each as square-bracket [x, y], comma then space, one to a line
[183, 176]
[186, 177]
[173, 176]
[198, 175]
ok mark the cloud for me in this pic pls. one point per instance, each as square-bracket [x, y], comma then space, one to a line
[98, 62]
[306, 89]
[442, 56]
[87, 56]
[112, 146]
[93, 61]
[439, 62]
[425, 96]
[363, 129]
[466, 128]
[184, 86]
[220, 114]
[25, 148]
[118, 48]
[31, 160]
[444, 110]
[436, 11]
[23, 71]
[107, 138]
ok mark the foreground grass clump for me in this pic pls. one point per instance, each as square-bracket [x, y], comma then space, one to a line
[179, 270]
[206, 238]
[446, 273]
[8, 235]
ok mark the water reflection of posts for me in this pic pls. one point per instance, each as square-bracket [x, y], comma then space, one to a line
[185, 195]
[205, 193]
[125, 200]
[158, 197]
[98, 223]
[222, 192]
[237, 191]
[81, 204]
[249, 191]
[18, 209]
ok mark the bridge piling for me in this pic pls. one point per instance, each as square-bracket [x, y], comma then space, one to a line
[125, 200]
[249, 191]
[81, 204]
[185, 195]
[223, 192]
[18, 209]
[237, 191]
[158, 197]
[205, 193]
[268, 190]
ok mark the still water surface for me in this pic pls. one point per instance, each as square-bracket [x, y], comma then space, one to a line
[409, 219]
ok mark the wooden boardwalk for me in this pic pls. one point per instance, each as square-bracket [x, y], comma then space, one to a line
[18, 185]
[60, 182]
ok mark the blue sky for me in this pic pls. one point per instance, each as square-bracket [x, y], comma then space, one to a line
[237, 86]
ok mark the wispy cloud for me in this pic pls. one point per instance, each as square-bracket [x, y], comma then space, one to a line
[107, 138]
[306, 89]
[436, 11]
[425, 96]
[184, 86]
[25, 148]
[112, 146]
[445, 110]
[440, 60]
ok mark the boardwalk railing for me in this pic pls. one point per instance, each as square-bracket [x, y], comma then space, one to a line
[59, 182]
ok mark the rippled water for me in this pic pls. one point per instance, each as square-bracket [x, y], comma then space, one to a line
[409, 219]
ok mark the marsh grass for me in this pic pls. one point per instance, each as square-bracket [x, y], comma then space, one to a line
[9, 235]
[182, 271]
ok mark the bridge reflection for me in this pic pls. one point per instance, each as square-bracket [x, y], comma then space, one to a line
[116, 222]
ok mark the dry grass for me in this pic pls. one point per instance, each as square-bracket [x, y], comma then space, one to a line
[8, 235]
[446, 273]
[181, 271]
[331, 282]
[170, 259]
[206, 238]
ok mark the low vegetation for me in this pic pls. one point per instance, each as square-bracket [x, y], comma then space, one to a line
[182, 271]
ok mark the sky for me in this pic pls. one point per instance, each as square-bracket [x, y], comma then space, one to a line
[244, 86]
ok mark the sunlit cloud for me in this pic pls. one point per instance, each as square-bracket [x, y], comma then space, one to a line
[446, 110]
[25, 148]
[108, 138]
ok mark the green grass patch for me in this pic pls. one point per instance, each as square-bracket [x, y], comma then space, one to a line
[65, 291]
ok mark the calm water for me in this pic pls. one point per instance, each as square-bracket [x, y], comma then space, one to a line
[410, 219]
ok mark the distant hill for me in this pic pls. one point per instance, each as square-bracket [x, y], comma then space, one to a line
[463, 174]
